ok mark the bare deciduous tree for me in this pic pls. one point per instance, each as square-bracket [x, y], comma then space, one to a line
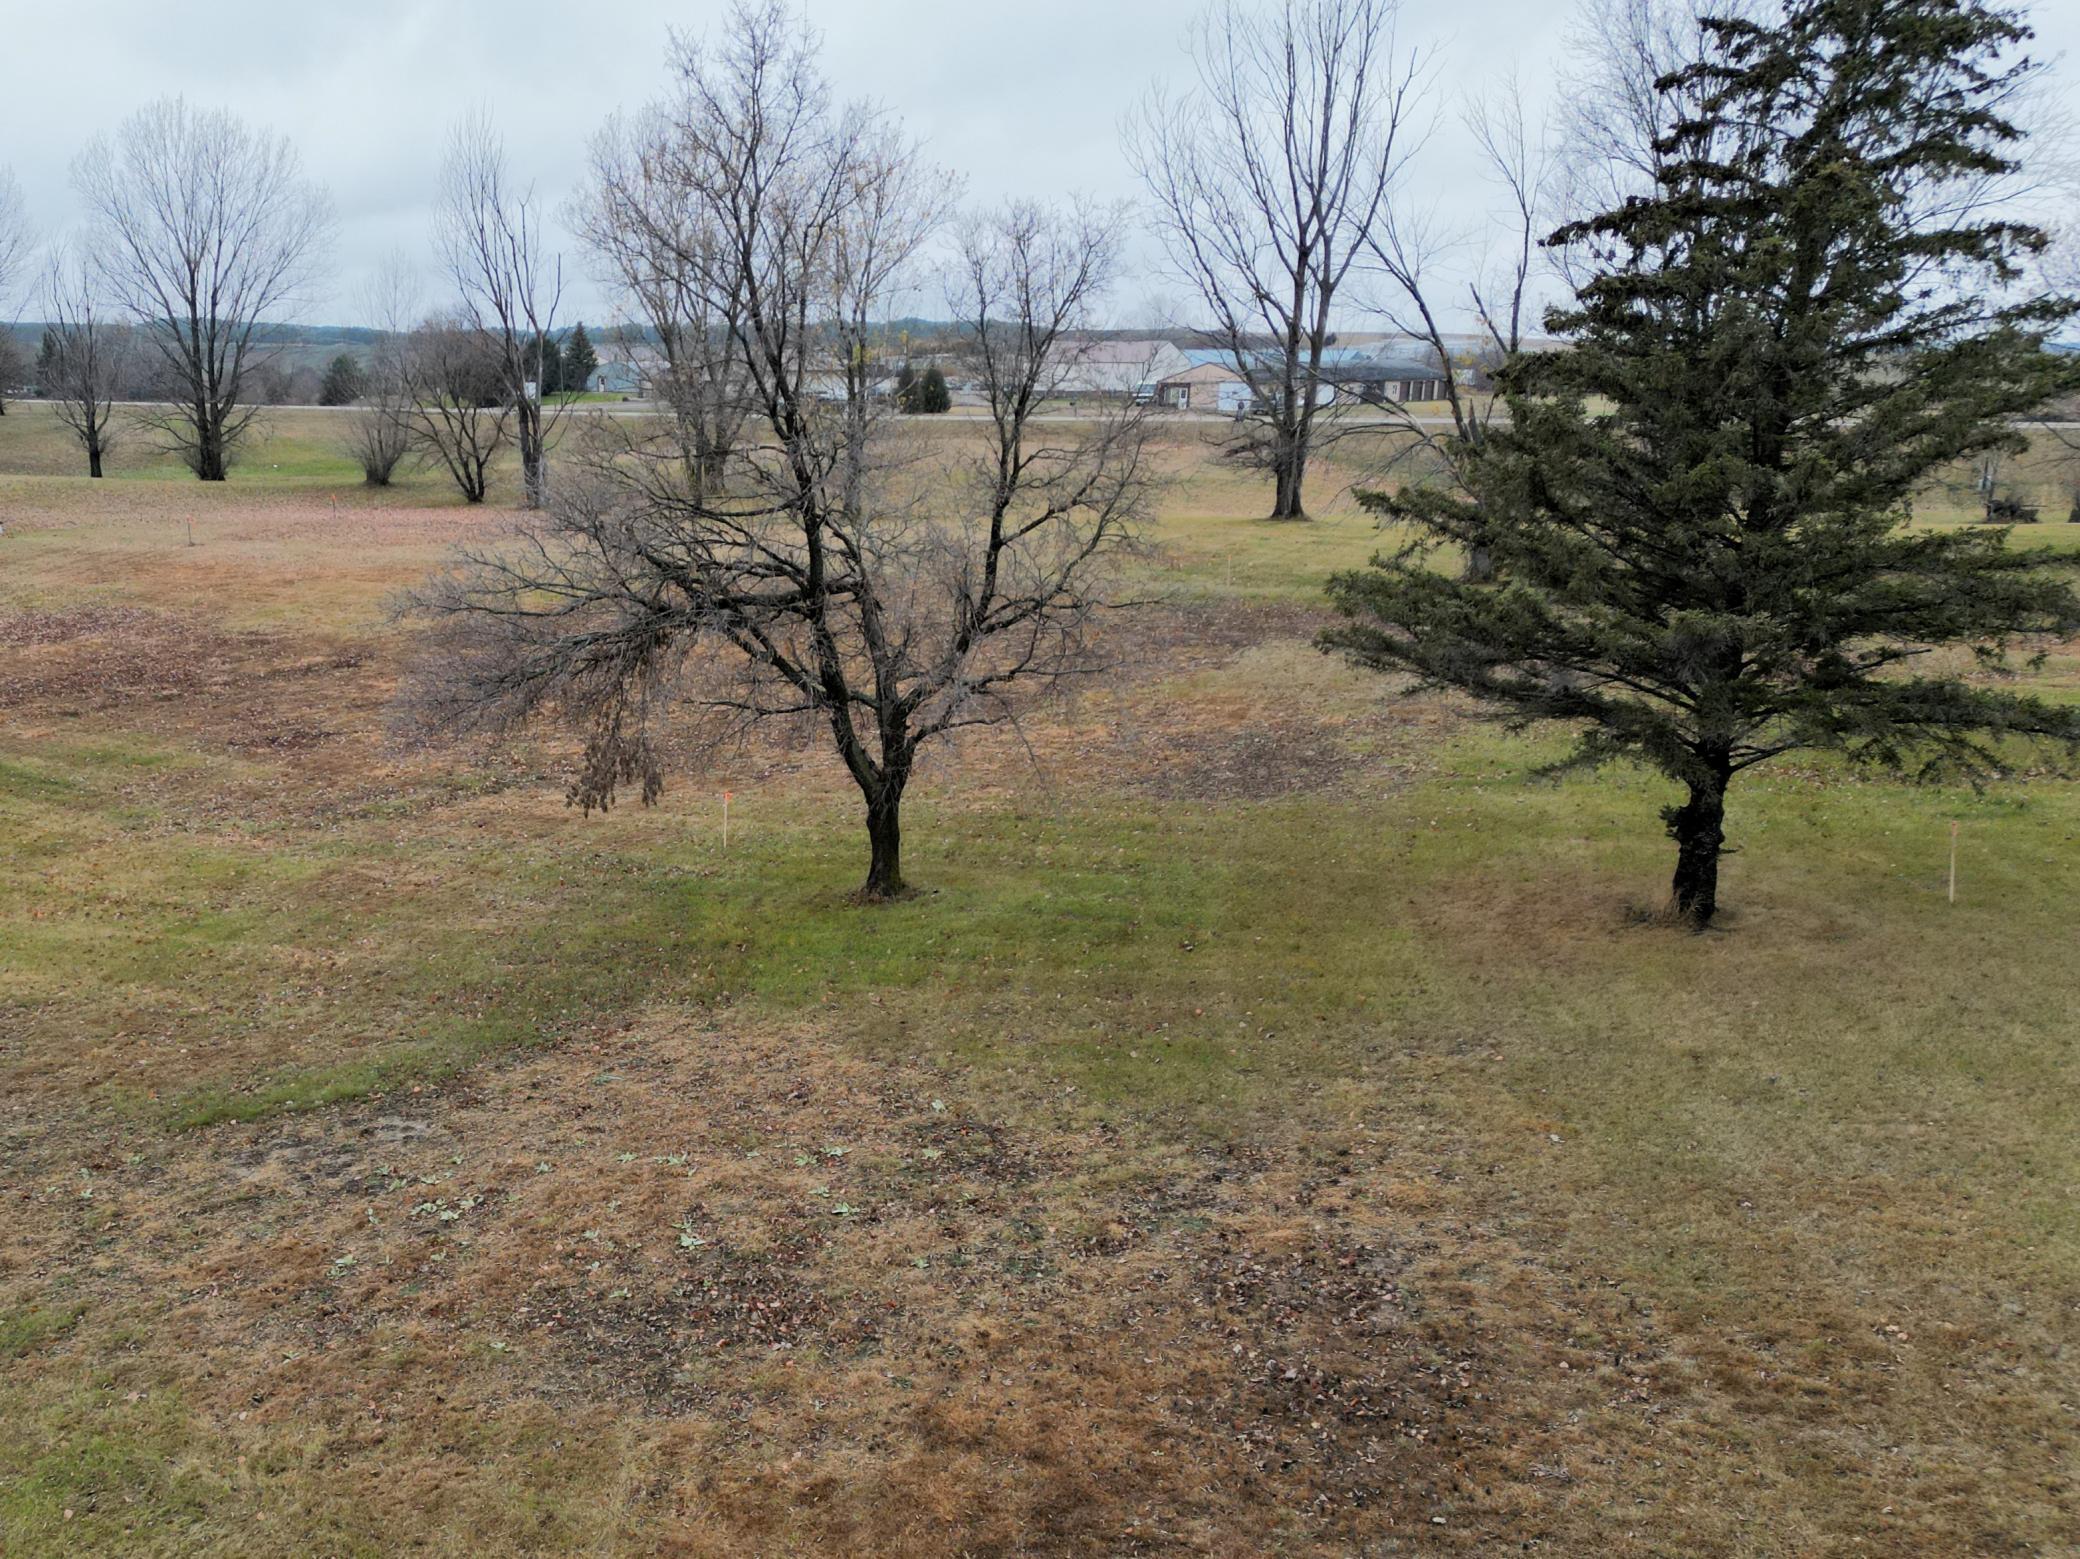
[827, 582]
[490, 237]
[15, 240]
[1500, 291]
[1265, 181]
[379, 433]
[85, 354]
[650, 240]
[15, 235]
[204, 228]
[455, 386]
[1614, 110]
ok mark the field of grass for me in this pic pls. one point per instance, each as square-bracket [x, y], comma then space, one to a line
[1268, 1131]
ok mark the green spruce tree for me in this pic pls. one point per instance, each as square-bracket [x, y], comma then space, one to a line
[1699, 514]
[545, 365]
[579, 361]
[344, 381]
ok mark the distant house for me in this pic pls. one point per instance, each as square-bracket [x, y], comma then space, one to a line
[626, 370]
[1381, 381]
[1357, 374]
[615, 379]
[1117, 367]
[1209, 386]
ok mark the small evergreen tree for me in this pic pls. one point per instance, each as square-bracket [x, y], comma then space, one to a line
[1699, 515]
[546, 356]
[906, 389]
[344, 381]
[12, 362]
[579, 361]
[932, 394]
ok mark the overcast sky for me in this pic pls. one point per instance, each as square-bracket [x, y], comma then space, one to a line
[1021, 99]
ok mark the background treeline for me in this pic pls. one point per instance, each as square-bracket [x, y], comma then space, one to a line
[303, 367]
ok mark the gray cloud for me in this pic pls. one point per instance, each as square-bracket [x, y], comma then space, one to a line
[1020, 99]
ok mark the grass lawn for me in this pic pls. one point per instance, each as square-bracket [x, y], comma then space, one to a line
[1268, 1131]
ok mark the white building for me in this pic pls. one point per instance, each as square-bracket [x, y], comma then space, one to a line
[1116, 367]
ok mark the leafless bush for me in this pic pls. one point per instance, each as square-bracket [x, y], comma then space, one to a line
[379, 433]
[86, 357]
[455, 399]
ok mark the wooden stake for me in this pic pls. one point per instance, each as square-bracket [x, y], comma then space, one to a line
[725, 819]
[1953, 863]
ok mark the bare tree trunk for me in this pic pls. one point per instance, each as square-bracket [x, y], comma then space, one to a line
[531, 463]
[1290, 469]
[209, 448]
[1698, 828]
[93, 460]
[885, 840]
[710, 467]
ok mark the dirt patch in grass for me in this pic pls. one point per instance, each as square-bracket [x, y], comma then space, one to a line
[238, 688]
[101, 658]
[1217, 702]
[739, 1290]
[885, 1319]
[1189, 711]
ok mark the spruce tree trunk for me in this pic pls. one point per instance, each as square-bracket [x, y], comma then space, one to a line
[1698, 828]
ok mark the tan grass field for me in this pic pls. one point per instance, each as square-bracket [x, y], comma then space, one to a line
[1267, 1132]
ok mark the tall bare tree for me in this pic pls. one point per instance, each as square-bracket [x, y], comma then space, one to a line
[15, 243]
[649, 239]
[1416, 265]
[490, 235]
[380, 429]
[204, 228]
[455, 389]
[15, 235]
[1264, 181]
[824, 583]
[85, 353]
